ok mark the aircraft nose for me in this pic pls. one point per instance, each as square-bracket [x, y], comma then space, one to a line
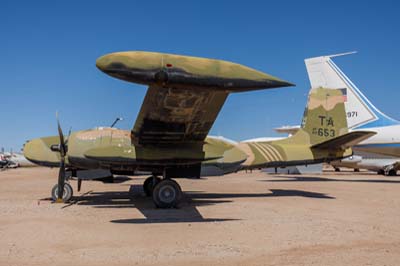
[29, 149]
[38, 152]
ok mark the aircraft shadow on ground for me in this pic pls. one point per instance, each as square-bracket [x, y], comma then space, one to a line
[186, 213]
[326, 179]
[116, 179]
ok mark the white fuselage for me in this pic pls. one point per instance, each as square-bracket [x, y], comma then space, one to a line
[386, 141]
[385, 135]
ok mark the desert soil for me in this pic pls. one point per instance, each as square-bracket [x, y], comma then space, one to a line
[238, 219]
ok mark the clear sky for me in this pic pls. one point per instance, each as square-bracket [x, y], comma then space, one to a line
[48, 51]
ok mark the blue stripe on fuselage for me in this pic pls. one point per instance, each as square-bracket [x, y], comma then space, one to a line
[379, 145]
[381, 122]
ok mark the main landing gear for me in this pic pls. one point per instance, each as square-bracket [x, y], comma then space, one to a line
[149, 184]
[166, 193]
[391, 172]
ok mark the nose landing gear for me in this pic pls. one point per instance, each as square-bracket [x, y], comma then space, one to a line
[67, 193]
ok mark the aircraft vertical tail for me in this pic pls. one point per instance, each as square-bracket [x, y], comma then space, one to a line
[324, 124]
[324, 116]
[360, 112]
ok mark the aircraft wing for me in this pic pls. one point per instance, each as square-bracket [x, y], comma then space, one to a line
[344, 141]
[185, 93]
[176, 115]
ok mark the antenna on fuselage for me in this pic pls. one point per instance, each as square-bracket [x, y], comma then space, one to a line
[116, 121]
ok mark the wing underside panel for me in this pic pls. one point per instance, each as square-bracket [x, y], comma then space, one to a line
[176, 115]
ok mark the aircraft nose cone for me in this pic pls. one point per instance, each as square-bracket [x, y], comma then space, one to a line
[29, 149]
[37, 151]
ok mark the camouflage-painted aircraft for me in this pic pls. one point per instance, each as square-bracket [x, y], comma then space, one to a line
[322, 137]
[169, 138]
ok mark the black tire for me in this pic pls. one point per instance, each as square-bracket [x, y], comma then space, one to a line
[392, 172]
[167, 194]
[67, 195]
[381, 172]
[148, 185]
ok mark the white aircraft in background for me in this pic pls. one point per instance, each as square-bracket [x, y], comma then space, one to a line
[3, 161]
[13, 160]
[380, 152]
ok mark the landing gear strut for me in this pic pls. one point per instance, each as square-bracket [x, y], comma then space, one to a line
[68, 191]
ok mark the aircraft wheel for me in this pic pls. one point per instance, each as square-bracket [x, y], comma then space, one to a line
[167, 194]
[392, 173]
[381, 172]
[67, 194]
[148, 185]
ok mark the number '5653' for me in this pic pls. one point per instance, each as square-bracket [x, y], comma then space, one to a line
[323, 132]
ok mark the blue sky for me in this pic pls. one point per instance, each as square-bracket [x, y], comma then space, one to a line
[48, 51]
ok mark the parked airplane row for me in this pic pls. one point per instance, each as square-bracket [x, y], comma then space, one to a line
[169, 138]
[13, 160]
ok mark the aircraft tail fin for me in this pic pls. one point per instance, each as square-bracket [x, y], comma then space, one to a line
[324, 117]
[360, 112]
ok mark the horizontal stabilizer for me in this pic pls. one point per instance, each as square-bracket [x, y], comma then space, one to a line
[344, 141]
[288, 129]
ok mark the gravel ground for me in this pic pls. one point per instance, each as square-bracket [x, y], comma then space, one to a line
[238, 219]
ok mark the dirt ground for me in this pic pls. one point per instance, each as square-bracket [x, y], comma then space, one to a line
[238, 219]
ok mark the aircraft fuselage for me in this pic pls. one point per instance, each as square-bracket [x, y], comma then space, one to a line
[110, 148]
[386, 141]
